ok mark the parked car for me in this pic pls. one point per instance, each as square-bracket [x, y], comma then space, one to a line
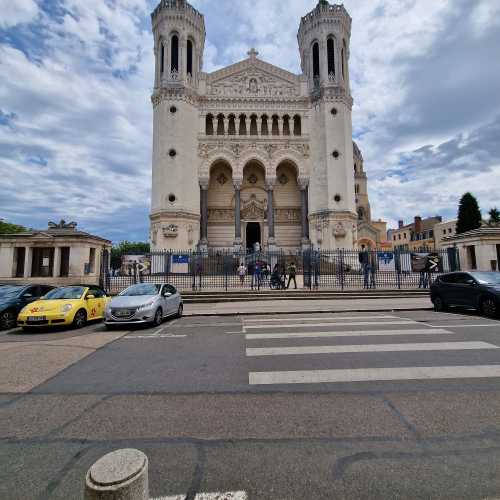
[14, 297]
[476, 290]
[67, 305]
[144, 303]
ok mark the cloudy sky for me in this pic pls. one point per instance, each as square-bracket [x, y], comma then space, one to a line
[76, 121]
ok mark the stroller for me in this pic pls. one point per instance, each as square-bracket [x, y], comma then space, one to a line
[276, 282]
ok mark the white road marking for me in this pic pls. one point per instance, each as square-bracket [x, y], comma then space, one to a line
[347, 333]
[340, 349]
[308, 318]
[356, 323]
[489, 325]
[375, 374]
[230, 495]
[153, 337]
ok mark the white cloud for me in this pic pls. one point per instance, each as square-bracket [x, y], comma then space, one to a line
[16, 12]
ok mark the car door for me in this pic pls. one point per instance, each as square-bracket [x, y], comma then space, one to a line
[29, 295]
[170, 297]
[445, 288]
[94, 307]
[101, 300]
[465, 290]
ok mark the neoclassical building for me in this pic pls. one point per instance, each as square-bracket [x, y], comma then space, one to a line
[253, 153]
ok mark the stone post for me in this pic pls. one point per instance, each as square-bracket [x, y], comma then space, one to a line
[203, 214]
[226, 125]
[304, 187]
[56, 265]
[259, 125]
[247, 125]
[270, 212]
[237, 214]
[28, 256]
[120, 475]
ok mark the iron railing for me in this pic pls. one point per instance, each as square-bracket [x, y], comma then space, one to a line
[314, 269]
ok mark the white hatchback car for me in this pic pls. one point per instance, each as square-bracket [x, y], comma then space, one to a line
[144, 303]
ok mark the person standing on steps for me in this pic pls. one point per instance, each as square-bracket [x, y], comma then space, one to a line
[242, 271]
[364, 260]
[292, 273]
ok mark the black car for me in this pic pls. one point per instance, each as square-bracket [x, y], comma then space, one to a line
[14, 297]
[476, 290]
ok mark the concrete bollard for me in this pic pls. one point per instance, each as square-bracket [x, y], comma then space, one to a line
[120, 475]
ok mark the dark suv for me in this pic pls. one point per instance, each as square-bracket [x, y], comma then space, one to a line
[14, 297]
[477, 290]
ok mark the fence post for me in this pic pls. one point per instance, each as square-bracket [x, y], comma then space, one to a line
[398, 268]
[342, 269]
[122, 474]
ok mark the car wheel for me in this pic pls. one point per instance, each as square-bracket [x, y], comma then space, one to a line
[80, 319]
[489, 307]
[8, 320]
[439, 304]
[158, 317]
[180, 311]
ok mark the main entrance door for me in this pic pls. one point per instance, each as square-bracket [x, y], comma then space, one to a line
[253, 235]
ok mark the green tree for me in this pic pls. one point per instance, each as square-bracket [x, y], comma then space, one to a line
[127, 247]
[8, 228]
[494, 216]
[469, 214]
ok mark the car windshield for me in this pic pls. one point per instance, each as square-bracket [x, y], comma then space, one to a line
[65, 293]
[487, 278]
[10, 291]
[142, 289]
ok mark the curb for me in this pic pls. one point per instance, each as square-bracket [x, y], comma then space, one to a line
[274, 313]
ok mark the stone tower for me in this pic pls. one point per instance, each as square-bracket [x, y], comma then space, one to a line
[324, 40]
[179, 39]
[361, 187]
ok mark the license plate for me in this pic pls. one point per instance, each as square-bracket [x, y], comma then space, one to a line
[123, 313]
[37, 318]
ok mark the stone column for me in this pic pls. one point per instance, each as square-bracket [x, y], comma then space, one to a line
[247, 125]
[259, 125]
[270, 213]
[56, 265]
[280, 125]
[237, 214]
[203, 214]
[28, 256]
[304, 188]
[226, 125]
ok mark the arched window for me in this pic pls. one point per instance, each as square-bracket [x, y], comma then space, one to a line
[330, 46]
[361, 213]
[232, 125]
[220, 125]
[174, 65]
[209, 125]
[253, 125]
[189, 57]
[162, 58]
[297, 125]
[275, 130]
[344, 50]
[265, 128]
[242, 130]
[286, 125]
[316, 60]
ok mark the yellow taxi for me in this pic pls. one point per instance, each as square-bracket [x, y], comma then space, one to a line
[68, 305]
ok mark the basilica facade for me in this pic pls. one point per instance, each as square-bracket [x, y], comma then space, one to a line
[252, 153]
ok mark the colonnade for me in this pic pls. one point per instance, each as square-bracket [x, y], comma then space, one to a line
[304, 197]
[253, 125]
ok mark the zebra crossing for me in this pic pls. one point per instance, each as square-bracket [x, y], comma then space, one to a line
[272, 344]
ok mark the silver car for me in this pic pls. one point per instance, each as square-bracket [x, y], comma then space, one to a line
[144, 303]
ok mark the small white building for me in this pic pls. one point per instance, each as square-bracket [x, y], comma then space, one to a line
[59, 255]
[479, 249]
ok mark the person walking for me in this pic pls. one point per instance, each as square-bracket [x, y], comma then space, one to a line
[373, 269]
[364, 260]
[256, 277]
[242, 272]
[292, 272]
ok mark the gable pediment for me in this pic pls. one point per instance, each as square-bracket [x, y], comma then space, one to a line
[253, 78]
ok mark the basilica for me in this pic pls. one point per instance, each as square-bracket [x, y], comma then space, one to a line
[252, 153]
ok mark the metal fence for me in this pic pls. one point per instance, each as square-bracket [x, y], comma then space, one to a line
[313, 269]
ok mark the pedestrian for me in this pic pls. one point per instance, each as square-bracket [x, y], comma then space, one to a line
[292, 272]
[364, 260]
[373, 270]
[424, 280]
[283, 275]
[256, 276]
[242, 271]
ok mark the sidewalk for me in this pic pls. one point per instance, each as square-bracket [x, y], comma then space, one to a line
[307, 306]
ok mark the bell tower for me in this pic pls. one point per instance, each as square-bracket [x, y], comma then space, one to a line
[324, 39]
[179, 40]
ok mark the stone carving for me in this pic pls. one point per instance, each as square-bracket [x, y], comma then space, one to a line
[62, 224]
[253, 208]
[283, 179]
[288, 215]
[253, 83]
[190, 232]
[220, 215]
[339, 230]
[171, 231]
[253, 179]
[222, 179]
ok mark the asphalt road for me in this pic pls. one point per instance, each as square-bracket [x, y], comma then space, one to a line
[316, 406]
